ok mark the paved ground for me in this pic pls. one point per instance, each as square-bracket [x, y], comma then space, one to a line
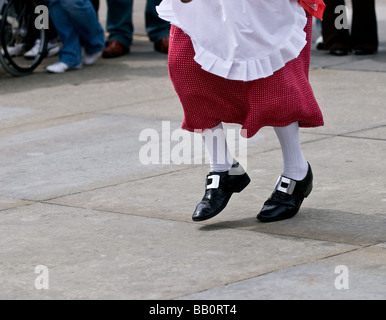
[76, 199]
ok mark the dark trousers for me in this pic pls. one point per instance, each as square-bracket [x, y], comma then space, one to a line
[52, 34]
[95, 3]
[364, 31]
[120, 24]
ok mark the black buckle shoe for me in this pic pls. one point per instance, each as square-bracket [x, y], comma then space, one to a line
[219, 188]
[288, 196]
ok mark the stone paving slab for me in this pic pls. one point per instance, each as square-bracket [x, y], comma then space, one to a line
[374, 63]
[51, 161]
[339, 218]
[319, 280]
[344, 111]
[376, 133]
[105, 86]
[102, 255]
[8, 203]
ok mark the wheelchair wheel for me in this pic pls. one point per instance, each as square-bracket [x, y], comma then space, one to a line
[18, 35]
[3, 60]
[8, 67]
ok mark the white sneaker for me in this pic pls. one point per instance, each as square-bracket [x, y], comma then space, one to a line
[52, 49]
[61, 67]
[15, 50]
[90, 59]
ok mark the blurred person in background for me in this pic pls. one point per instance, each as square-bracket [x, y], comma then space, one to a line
[77, 25]
[53, 46]
[120, 27]
[363, 38]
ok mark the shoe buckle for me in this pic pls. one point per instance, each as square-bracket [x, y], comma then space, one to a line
[285, 185]
[215, 182]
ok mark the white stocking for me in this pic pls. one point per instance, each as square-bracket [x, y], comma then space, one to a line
[295, 166]
[220, 158]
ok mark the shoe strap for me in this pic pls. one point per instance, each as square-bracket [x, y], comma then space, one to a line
[285, 185]
[215, 181]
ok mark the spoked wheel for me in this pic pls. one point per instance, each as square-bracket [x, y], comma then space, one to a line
[19, 35]
[8, 67]
[3, 60]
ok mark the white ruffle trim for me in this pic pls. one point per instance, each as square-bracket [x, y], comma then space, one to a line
[243, 68]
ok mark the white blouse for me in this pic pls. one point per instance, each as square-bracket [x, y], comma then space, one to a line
[240, 39]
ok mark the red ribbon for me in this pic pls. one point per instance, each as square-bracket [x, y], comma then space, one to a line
[314, 7]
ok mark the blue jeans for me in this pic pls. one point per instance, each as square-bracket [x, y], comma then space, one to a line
[120, 24]
[77, 25]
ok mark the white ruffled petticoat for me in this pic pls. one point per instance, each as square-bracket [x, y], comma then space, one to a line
[240, 39]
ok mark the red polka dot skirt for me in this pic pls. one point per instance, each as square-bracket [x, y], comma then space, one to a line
[277, 101]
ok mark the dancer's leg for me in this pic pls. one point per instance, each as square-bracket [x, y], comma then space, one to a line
[295, 184]
[225, 178]
[220, 158]
[295, 166]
